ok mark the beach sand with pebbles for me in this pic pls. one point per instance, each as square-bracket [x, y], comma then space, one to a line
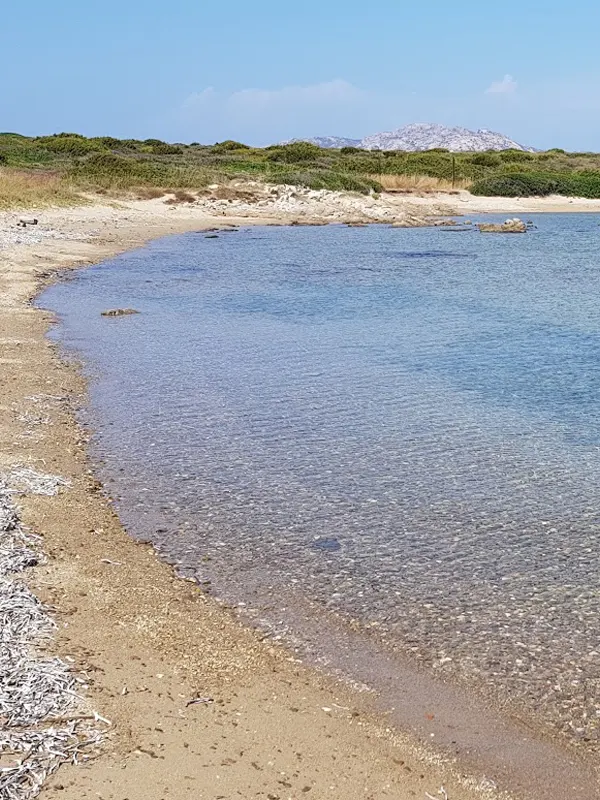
[190, 703]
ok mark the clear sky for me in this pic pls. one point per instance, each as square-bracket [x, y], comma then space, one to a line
[188, 70]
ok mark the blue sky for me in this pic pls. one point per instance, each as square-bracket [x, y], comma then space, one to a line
[187, 70]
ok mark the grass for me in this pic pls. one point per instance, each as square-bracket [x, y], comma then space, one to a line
[24, 189]
[419, 184]
[57, 169]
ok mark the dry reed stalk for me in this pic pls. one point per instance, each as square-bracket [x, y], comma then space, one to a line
[419, 183]
[34, 189]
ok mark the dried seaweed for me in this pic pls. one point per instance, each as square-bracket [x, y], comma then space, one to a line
[36, 691]
[27, 480]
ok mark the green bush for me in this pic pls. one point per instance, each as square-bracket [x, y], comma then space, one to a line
[347, 151]
[131, 144]
[228, 146]
[65, 144]
[165, 149]
[109, 142]
[540, 184]
[294, 153]
[515, 155]
[120, 172]
[486, 159]
[583, 184]
[521, 184]
[108, 163]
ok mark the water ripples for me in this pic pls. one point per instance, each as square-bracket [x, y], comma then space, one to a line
[406, 432]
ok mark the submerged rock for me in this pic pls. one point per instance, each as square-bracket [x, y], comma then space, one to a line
[327, 543]
[119, 312]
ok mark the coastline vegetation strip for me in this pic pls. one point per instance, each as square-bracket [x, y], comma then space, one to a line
[57, 169]
[41, 726]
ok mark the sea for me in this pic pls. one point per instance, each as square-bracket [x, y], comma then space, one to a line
[390, 433]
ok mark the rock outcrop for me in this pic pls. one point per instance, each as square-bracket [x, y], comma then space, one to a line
[510, 226]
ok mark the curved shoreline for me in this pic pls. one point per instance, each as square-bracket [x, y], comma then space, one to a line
[150, 642]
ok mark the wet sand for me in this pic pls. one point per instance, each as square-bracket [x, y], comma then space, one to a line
[150, 642]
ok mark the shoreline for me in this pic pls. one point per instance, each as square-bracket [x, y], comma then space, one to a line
[150, 642]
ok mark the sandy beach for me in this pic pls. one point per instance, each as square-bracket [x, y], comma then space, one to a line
[147, 643]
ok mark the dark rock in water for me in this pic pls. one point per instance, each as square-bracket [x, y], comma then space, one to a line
[328, 543]
[445, 223]
[211, 236]
[119, 312]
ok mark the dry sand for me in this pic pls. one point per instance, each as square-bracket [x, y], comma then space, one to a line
[147, 641]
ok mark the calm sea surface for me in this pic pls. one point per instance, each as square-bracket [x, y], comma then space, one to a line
[402, 426]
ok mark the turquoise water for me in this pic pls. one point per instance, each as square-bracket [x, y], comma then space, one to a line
[402, 426]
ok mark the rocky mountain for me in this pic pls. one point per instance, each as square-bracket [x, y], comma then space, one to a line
[425, 136]
[328, 142]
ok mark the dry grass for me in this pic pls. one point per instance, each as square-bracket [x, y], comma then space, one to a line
[27, 189]
[180, 196]
[419, 184]
[149, 193]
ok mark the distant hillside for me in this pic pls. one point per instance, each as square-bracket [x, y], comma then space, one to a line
[328, 142]
[63, 167]
[426, 136]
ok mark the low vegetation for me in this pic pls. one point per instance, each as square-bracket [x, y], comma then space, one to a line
[28, 188]
[59, 168]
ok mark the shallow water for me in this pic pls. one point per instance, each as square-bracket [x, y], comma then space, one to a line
[400, 425]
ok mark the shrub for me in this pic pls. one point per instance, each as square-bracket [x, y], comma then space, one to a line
[515, 155]
[521, 184]
[347, 151]
[153, 142]
[541, 184]
[108, 163]
[131, 144]
[66, 135]
[180, 196]
[3, 158]
[149, 193]
[228, 146]
[108, 141]
[65, 144]
[583, 184]
[165, 149]
[486, 159]
[294, 152]
[121, 172]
